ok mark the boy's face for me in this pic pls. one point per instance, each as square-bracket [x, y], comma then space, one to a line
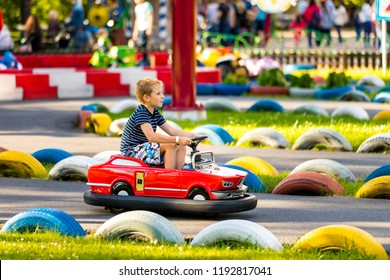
[156, 97]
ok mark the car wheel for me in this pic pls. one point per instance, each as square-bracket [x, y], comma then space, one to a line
[120, 188]
[198, 194]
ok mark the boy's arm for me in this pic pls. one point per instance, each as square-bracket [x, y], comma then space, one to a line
[177, 132]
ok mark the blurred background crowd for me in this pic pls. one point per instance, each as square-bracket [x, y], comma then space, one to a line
[85, 25]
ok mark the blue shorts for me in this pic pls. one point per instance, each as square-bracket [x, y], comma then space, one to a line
[148, 152]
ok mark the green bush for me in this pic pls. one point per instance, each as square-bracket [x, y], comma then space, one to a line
[271, 77]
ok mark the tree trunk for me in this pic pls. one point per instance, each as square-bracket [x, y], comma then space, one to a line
[25, 9]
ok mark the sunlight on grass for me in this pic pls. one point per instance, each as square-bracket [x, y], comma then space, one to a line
[51, 246]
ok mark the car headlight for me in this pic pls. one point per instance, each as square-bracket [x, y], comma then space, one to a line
[227, 184]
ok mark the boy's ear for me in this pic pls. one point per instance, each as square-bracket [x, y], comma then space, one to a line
[145, 97]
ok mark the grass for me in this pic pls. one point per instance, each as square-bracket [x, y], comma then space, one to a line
[289, 124]
[52, 246]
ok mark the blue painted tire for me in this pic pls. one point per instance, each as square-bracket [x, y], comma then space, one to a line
[92, 108]
[384, 170]
[205, 89]
[212, 136]
[266, 105]
[100, 107]
[226, 89]
[167, 100]
[254, 183]
[51, 155]
[225, 136]
[45, 219]
[331, 93]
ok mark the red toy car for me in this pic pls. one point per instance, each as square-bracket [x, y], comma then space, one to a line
[125, 183]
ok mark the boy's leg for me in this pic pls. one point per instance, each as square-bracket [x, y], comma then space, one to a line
[174, 155]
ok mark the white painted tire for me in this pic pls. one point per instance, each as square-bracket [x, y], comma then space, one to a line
[74, 168]
[375, 143]
[383, 97]
[302, 92]
[123, 105]
[116, 127]
[352, 111]
[105, 155]
[327, 137]
[221, 104]
[371, 80]
[148, 224]
[329, 167]
[212, 136]
[264, 136]
[311, 109]
[355, 95]
[242, 231]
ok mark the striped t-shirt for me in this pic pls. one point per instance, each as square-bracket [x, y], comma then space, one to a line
[133, 134]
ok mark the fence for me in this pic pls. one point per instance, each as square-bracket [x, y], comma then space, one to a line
[283, 51]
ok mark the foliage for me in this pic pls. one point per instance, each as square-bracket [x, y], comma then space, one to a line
[40, 8]
[337, 80]
[236, 78]
[304, 81]
[271, 77]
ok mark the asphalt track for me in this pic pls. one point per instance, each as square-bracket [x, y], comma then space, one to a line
[34, 125]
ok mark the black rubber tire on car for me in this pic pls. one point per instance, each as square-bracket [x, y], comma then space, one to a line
[148, 224]
[44, 219]
[198, 194]
[121, 188]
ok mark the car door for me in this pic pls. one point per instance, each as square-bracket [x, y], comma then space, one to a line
[161, 182]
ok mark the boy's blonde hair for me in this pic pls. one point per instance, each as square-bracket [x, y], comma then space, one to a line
[145, 86]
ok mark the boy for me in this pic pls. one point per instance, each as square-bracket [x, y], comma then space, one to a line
[139, 138]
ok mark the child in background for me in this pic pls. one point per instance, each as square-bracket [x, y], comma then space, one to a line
[297, 26]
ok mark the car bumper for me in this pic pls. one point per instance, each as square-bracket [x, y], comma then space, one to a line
[247, 202]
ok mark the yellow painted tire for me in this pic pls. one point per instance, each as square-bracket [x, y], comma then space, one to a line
[99, 123]
[376, 188]
[382, 115]
[256, 165]
[342, 237]
[21, 165]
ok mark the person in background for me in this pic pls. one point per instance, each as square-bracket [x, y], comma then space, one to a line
[365, 19]
[340, 19]
[301, 7]
[327, 19]
[117, 33]
[312, 18]
[54, 26]
[143, 26]
[77, 24]
[33, 33]
[1, 20]
[297, 26]
[6, 41]
[357, 24]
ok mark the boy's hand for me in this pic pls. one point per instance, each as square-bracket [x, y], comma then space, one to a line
[184, 140]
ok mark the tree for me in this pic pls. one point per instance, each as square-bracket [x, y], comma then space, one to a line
[16, 11]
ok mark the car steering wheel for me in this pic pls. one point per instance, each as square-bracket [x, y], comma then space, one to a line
[195, 142]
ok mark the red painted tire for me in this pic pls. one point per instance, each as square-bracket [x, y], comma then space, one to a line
[308, 183]
[268, 90]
